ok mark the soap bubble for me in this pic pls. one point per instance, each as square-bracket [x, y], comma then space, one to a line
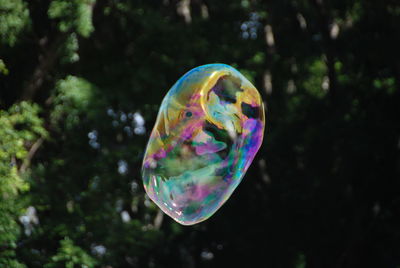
[209, 127]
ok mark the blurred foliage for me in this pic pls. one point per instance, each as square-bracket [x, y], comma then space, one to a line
[72, 97]
[80, 86]
[3, 68]
[73, 15]
[70, 256]
[14, 17]
[19, 126]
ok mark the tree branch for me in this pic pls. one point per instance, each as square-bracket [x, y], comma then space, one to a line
[31, 153]
[46, 62]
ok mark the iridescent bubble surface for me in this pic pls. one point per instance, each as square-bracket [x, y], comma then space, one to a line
[209, 127]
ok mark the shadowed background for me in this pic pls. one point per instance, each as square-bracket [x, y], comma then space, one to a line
[81, 82]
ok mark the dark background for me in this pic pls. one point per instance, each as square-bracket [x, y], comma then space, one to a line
[81, 82]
